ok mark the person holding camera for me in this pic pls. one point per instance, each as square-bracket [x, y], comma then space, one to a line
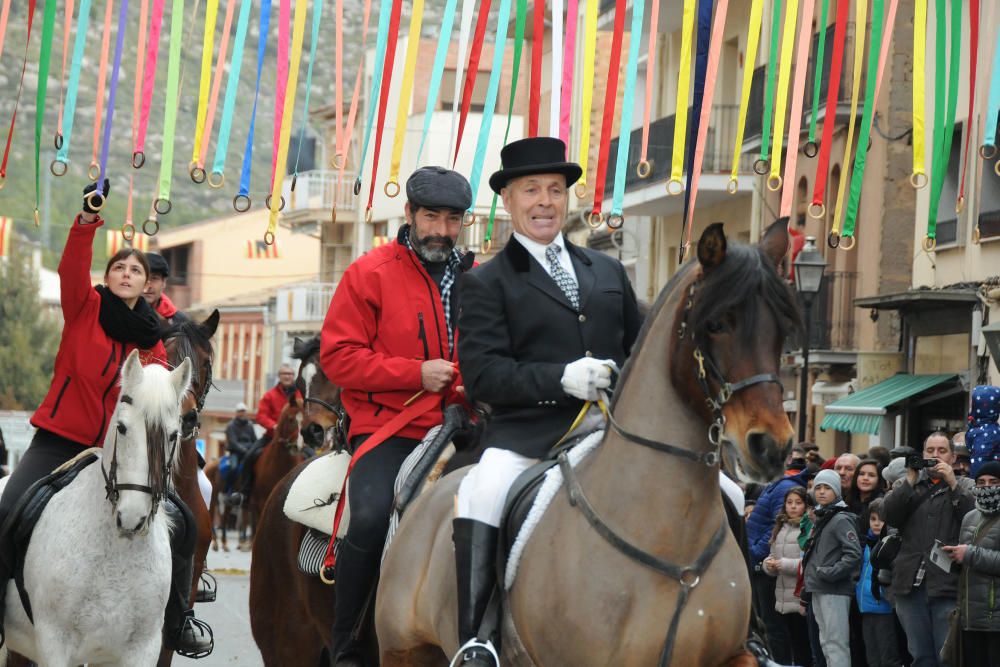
[927, 506]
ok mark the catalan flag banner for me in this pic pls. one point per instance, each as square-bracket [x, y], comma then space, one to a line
[258, 249]
[115, 242]
[6, 224]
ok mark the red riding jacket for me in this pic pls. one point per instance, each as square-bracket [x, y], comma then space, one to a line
[85, 383]
[385, 320]
[270, 407]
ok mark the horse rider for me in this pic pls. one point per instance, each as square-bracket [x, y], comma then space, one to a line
[389, 335]
[240, 436]
[102, 325]
[165, 309]
[542, 324]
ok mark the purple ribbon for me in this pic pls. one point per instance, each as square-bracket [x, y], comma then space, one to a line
[119, 47]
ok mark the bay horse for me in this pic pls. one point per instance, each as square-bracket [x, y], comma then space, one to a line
[668, 585]
[220, 509]
[291, 614]
[106, 602]
[277, 459]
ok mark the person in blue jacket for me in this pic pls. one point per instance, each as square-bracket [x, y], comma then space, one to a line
[983, 436]
[878, 620]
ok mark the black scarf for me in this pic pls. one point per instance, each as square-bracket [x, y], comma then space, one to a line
[138, 325]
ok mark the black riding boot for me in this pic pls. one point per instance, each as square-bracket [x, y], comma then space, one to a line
[182, 632]
[475, 564]
[356, 573]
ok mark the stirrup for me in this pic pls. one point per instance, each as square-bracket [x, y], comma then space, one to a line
[196, 625]
[208, 588]
[475, 643]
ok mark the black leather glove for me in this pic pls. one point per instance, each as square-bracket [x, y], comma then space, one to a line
[105, 190]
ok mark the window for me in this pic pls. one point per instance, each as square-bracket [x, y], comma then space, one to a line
[947, 218]
[177, 259]
[989, 204]
[447, 95]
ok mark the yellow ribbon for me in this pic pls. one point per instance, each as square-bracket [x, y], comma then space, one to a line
[753, 42]
[589, 57]
[919, 93]
[298, 36]
[412, 47]
[781, 103]
[581, 416]
[683, 92]
[211, 13]
[861, 14]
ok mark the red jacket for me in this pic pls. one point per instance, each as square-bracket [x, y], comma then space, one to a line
[165, 308]
[270, 407]
[385, 320]
[85, 382]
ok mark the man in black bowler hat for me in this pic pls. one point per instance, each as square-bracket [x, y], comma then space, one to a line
[543, 326]
[391, 333]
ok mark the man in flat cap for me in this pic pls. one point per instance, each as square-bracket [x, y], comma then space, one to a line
[166, 311]
[390, 333]
[543, 325]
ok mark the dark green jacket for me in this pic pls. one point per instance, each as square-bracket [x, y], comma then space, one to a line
[979, 582]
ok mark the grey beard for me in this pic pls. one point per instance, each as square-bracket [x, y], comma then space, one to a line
[439, 254]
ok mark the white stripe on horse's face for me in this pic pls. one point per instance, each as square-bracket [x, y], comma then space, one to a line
[308, 373]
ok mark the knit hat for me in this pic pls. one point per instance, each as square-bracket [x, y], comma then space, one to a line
[988, 497]
[830, 478]
[991, 468]
[896, 470]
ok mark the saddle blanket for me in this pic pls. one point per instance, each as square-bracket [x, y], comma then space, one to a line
[312, 498]
[548, 490]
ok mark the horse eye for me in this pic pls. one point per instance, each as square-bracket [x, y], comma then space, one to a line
[715, 327]
[122, 429]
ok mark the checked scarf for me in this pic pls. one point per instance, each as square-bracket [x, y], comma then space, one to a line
[450, 273]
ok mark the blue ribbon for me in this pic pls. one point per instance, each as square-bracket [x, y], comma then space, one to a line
[700, 66]
[384, 12]
[69, 110]
[628, 101]
[265, 20]
[993, 108]
[226, 124]
[444, 41]
[317, 19]
[503, 18]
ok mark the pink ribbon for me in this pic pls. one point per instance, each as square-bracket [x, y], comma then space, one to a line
[284, 22]
[795, 122]
[569, 60]
[149, 75]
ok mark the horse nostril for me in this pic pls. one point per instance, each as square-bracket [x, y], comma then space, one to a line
[118, 519]
[765, 448]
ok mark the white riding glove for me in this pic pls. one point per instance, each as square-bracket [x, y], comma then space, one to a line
[584, 377]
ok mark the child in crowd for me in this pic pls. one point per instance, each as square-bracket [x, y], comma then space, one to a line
[832, 557]
[877, 619]
[783, 563]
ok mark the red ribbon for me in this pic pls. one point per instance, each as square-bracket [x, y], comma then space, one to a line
[535, 93]
[13, 118]
[390, 57]
[610, 97]
[974, 33]
[471, 72]
[149, 76]
[836, 65]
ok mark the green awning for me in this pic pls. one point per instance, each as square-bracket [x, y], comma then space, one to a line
[862, 411]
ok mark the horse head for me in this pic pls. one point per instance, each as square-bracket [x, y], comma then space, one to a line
[193, 341]
[140, 446]
[324, 421]
[286, 431]
[730, 328]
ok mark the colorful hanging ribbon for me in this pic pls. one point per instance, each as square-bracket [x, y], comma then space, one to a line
[535, 84]
[313, 44]
[17, 99]
[128, 228]
[464, 30]
[787, 43]
[44, 60]
[207, 46]
[437, 71]
[67, 27]
[988, 149]
[812, 148]
[381, 38]
[148, 78]
[102, 76]
[555, 72]
[875, 48]
[944, 127]
[405, 91]
[390, 57]
[861, 16]
[4, 15]
[568, 66]
[217, 177]
[918, 177]
[471, 73]
[241, 202]
[973, 58]
[97, 200]
[795, 120]
[883, 57]
[284, 24]
[198, 174]
[607, 123]
[700, 73]
[763, 163]
[59, 165]
[817, 209]
[753, 42]
[674, 185]
[287, 117]
[344, 140]
[615, 219]
[589, 60]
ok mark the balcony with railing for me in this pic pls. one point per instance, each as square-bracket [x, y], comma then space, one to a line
[831, 322]
[320, 190]
[305, 303]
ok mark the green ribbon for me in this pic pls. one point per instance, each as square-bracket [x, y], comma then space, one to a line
[861, 155]
[772, 71]
[944, 127]
[45, 57]
[818, 72]
[170, 112]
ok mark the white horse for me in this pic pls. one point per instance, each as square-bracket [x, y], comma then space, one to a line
[97, 569]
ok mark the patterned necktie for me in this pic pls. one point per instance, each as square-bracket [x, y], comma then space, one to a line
[562, 277]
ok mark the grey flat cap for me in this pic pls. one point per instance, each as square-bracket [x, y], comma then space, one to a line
[437, 187]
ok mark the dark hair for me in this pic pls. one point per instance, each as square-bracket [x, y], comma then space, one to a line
[875, 507]
[880, 454]
[939, 434]
[782, 518]
[854, 493]
[125, 253]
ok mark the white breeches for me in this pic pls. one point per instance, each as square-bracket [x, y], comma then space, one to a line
[732, 491]
[206, 488]
[483, 492]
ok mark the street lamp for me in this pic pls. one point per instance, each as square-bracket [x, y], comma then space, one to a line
[809, 268]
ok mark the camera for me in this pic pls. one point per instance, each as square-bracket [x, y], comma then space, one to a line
[918, 462]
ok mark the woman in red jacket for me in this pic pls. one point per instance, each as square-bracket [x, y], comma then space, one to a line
[101, 327]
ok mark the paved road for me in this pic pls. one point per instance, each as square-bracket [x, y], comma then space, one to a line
[229, 615]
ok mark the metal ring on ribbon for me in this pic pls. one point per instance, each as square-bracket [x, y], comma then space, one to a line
[615, 221]
[138, 159]
[644, 169]
[325, 579]
[128, 231]
[368, 215]
[94, 171]
[960, 205]
[391, 188]
[145, 227]
[988, 151]
[357, 187]
[216, 184]
[918, 180]
[595, 215]
[816, 211]
[339, 161]
[671, 190]
[295, 181]
[238, 203]
[487, 246]
[95, 200]
[269, 237]
[162, 206]
[929, 244]
[976, 237]
[811, 149]
[3, 181]
[197, 173]
[38, 218]
[281, 205]
[833, 239]
[774, 183]
[469, 219]
[848, 242]
[59, 142]
[996, 167]
[761, 166]
[60, 170]
[581, 190]
[733, 186]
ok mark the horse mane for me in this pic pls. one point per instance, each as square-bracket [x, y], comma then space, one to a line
[189, 334]
[307, 349]
[151, 399]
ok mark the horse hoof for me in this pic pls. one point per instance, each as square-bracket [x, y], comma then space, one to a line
[215, 547]
[225, 548]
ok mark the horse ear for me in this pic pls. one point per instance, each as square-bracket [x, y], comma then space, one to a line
[298, 347]
[712, 246]
[132, 370]
[180, 377]
[210, 324]
[775, 241]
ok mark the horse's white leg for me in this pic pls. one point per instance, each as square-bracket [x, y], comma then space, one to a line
[53, 649]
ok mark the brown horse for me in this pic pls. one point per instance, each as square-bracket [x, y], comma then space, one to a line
[279, 456]
[669, 583]
[221, 510]
[291, 614]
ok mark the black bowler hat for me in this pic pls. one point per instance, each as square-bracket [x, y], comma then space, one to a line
[157, 265]
[438, 188]
[536, 155]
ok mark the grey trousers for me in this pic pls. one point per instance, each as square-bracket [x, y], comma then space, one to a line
[833, 613]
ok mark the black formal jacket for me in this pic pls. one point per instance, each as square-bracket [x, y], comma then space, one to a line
[518, 332]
